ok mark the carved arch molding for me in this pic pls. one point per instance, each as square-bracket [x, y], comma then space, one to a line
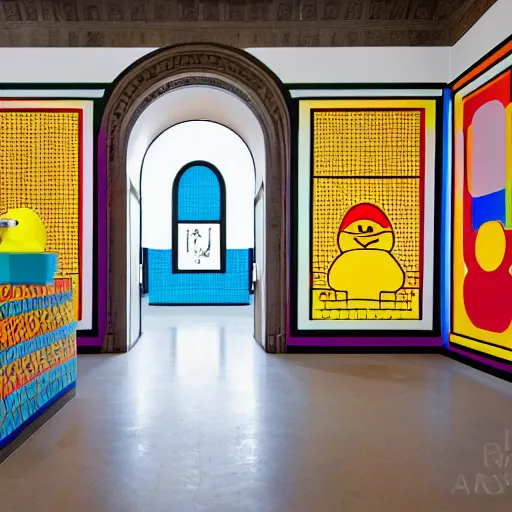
[240, 74]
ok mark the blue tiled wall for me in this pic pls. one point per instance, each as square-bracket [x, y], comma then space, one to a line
[199, 195]
[168, 288]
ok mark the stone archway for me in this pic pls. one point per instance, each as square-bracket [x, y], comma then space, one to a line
[240, 74]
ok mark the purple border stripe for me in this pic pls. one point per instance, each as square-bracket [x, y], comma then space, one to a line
[482, 359]
[354, 341]
[101, 228]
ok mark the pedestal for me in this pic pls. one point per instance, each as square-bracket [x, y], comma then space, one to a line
[37, 358]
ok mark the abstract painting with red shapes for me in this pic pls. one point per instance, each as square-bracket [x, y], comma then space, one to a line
[482, 227]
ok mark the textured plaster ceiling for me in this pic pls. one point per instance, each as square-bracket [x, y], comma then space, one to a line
[242, 23]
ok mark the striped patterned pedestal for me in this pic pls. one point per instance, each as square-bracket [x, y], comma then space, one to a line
[37, 358]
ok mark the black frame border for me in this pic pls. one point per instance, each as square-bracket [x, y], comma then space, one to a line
[383, 86]
[176, 221]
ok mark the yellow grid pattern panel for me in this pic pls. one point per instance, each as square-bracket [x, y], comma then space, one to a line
[367, 143]
[366, 157]
[40, 169]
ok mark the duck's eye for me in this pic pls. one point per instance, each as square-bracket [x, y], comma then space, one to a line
[361, 229]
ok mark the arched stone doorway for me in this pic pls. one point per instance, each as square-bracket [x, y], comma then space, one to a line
[244, 76]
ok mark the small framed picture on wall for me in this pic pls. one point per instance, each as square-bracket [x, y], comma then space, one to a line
[199, 247]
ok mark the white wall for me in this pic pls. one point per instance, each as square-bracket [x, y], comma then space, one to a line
[493, 28]
[180, 145]
[73, 65]
[297, 65]
[291, 65]
[357, 65]
[194, 103]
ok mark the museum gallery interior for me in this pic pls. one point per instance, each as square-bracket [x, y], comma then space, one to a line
[256, 255]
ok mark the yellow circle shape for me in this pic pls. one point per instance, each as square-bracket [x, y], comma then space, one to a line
[490, 246]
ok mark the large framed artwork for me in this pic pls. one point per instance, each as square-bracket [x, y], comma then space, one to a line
[482, 214]
[365, 215]
[46, 164]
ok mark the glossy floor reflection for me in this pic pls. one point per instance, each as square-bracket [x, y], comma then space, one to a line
[198, 418]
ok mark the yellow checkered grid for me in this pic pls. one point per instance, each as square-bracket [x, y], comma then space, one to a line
[367, 143]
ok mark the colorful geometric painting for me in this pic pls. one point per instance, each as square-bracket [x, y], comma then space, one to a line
[482, 222]
[37, 352]
[42, 168]
[368, 170]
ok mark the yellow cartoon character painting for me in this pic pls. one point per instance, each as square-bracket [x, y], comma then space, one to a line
[366, 267]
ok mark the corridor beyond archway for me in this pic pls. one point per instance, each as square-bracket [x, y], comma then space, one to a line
[145, 82]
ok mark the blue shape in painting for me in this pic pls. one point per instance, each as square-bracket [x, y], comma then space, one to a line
[488, 208]
[199, 195]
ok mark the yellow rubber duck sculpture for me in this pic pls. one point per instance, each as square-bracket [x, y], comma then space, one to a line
[366, 267]
[22, 231]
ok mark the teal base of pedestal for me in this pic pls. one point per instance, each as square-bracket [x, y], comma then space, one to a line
[28, 268]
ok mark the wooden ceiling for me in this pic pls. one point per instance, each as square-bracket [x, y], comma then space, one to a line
[241, 23]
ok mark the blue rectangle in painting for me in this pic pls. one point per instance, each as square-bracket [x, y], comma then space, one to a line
[488, 208]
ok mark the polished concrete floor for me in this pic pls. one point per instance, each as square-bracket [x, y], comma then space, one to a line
[198, 418]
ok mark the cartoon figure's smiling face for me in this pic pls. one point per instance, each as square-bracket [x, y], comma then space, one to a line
[365, 227]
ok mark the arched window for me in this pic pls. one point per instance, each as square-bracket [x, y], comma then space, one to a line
[199, 220]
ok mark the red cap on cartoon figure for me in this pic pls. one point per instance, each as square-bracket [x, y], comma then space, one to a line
[365, 211]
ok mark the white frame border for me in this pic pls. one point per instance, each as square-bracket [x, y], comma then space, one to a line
[303, 228]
